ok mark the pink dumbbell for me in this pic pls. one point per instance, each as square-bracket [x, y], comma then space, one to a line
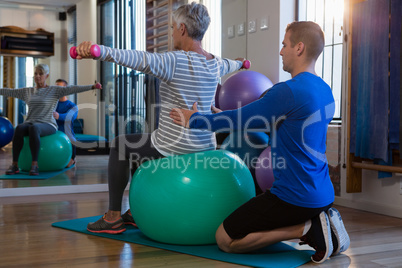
[95, 51]
[98, 85]
[246, 64]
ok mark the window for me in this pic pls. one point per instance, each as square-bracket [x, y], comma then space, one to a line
[26, 79]
[107, 38]
[212, 41]
[72, 41]
[329, 15]
[29, 65]
[123, 93]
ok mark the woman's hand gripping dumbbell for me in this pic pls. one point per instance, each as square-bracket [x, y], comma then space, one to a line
[85, 50]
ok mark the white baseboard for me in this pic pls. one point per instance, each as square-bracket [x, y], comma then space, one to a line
[393, 211]
[47, 190]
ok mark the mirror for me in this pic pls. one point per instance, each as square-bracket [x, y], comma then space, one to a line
[91, 165]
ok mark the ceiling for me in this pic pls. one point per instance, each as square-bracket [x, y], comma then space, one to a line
[45, 3]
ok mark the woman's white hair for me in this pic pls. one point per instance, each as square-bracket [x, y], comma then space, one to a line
[43, 67]
[195, 17]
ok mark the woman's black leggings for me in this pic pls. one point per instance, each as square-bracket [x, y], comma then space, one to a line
[34, 131]
[127, 153]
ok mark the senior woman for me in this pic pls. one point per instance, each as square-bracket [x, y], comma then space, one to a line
[41, 100]
[189, 74]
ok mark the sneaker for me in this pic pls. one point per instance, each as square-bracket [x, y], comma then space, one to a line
[128, 219]
[319, 238]
[340, 237]
[13, 169]
[34, 171]
[104, 226]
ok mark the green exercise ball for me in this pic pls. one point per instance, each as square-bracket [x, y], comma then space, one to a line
[183, 199]
[54, 153]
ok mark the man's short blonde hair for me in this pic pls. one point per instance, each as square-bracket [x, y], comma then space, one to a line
[310, 34]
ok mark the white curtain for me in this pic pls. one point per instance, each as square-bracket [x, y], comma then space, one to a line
[140, 21]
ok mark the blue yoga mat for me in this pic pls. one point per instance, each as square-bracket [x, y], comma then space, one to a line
[89, 138]
[279, 255]
[43, 175]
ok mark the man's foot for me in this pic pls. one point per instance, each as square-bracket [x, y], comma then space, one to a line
[319, 238]
[128, 218]
[104, 226]
[34, 171]
[13, 169]
[340, 237]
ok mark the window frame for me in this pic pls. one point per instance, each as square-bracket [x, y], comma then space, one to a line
[304, 12]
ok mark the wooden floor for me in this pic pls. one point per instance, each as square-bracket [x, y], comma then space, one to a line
[28, 240]
[91, 169]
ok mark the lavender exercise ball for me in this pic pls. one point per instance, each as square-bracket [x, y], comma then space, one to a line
[242, 88]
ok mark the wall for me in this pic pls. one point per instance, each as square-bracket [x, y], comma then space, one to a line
[233, 14]
[262, 46]
[87, 69]
[378, 195]
[334, 136]
[47, 20]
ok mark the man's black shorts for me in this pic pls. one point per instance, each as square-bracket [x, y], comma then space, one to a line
[266, 212]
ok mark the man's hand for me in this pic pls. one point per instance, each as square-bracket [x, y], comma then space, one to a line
[56, 115]
[182, 116]
[215, 110]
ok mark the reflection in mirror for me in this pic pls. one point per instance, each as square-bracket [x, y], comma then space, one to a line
[90, 169]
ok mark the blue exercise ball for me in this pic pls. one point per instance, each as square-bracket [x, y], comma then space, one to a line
[6, 131]
[242, 88]
[183, 199]
[247, 145]
[54, 153]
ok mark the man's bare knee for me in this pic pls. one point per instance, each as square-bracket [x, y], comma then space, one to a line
[223, 240]
[223, 245]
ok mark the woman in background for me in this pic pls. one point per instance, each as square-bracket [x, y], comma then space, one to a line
[41, 100]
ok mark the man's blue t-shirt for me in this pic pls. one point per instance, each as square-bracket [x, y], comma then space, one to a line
[68, 112]
[297, 113]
